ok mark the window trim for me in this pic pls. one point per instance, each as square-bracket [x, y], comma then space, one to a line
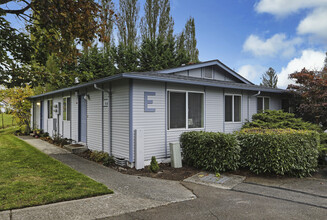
[48, 108]
[186, 112]
[233, 110]
[65, 97]
[263, 103]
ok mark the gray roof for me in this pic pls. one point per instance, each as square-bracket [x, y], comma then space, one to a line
[164, 77]
[204, 64]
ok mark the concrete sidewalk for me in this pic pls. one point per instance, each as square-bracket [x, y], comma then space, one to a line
[131, 193]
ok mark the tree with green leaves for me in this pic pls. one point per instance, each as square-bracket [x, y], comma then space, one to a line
[270, 78]
[21, 105]
[182, 56]
[190, 40]
[107, 19]
[157, 20]
[127, 22]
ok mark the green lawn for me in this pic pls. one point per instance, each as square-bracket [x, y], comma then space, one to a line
[29, 177]
[7, 120]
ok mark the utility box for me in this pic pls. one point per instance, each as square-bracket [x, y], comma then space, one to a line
[175, 155]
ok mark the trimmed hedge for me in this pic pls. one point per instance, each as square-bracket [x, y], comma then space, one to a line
[211, 151]
[279, 151]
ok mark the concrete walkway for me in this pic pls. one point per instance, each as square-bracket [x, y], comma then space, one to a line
[131, 193]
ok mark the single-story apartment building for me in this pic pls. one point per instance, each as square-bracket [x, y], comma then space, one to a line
[134, 116]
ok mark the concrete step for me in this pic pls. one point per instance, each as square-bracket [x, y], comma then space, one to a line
[75, 148]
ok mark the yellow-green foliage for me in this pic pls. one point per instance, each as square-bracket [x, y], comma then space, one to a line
[8, 120]
[20, 104]
[154, 166]
[279, 151]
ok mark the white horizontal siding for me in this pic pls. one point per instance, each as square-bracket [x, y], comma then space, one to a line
[106, 124]
[74, 117]
[153, 123]
[120, 119]
[94, 119]
[214, 110]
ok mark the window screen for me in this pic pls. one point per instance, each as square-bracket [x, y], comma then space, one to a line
[237, 108]
[195, 110]
[228, 108]
[177, 110]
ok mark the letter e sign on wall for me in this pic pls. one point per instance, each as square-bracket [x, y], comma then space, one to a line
[147, 101]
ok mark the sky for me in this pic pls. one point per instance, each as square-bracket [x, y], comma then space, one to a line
[250, 36]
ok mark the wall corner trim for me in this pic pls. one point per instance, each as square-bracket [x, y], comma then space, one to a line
[131, 135]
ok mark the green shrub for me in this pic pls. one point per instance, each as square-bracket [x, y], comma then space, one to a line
[108, 161]
[154, 166]
[60, 140]
[323, 149]
[99, 156]
[279, 151]
[279, 119]
[210, 151]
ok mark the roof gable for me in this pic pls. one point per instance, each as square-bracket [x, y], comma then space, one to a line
[207, 64]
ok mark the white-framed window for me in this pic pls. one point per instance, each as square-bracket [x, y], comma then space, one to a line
[50, 108]
[262, 103]
[185, 110]
[233, 108]
[66, 108]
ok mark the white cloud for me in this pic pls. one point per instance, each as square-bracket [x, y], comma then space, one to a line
[310, 59]
[276, 45]
[283, 7]
[315, 23]
[251, 72]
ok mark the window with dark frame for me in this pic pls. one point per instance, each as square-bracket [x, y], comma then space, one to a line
[50, 108]
[263, 103]
[179, 103]
[233, 108]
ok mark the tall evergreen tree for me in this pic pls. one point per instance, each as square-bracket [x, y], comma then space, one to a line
[190, 41]
[182, 56]
[269, 78]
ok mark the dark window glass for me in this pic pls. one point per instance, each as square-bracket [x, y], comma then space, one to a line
[64, 109]
[266, 104]
[285, 105]
[259, 104]
[237, 108]
[228, 108]
[68, 109]
[50, 108]
[177, 110]
[195, 110]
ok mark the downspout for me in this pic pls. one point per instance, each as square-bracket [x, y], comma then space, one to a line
[109, 94]
[255, 95]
